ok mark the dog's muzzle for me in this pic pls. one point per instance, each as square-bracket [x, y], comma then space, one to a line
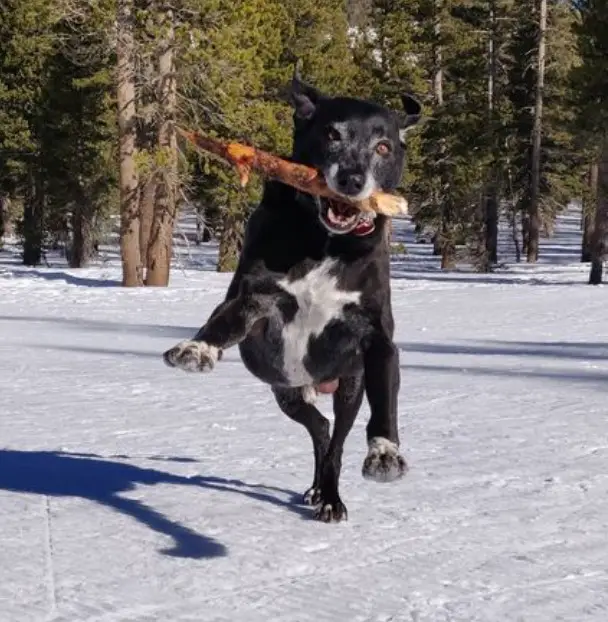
[342, 217]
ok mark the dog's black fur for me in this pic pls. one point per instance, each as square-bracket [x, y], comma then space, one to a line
[310, 301]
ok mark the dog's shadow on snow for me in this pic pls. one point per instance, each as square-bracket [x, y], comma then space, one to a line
[101, 480]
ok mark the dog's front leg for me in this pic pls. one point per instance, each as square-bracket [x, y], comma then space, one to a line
[383, 463]
[229, 324]
[347, 402]
[231, 294]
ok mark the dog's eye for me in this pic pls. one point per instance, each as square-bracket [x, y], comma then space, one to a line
[383, 148]
[333, 135]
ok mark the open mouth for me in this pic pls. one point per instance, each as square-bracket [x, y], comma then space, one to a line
[341, 218]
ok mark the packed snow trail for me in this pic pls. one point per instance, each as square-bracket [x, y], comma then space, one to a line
[132, 492]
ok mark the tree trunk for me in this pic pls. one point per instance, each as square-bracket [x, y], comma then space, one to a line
[83, 242]
[33, 220]
[161, 236]
[448, 248]
[589, 204]
[3, 218]
[437, 243]
[600, 231]
[534, 207]
[230, 242]
[587, 235]
[444, 242]
[525, 232]
[201, 229]
[491, 194]
[438, 56]
[5, 222]
[514, 235]
[492, 224]
[132, 272]
[147, 196]
[448, 257]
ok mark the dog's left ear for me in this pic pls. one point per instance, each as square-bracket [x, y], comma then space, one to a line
[413, 113]
[304, 98]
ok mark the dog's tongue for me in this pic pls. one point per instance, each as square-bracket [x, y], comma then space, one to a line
[365, 227]
[343, 210]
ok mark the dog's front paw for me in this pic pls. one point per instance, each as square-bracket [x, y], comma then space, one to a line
[331, 511]
[384, 463]
[196, 356]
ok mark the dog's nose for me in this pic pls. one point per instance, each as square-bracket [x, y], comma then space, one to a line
[350, 183]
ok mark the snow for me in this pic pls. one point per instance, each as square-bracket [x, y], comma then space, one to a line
[132, 492]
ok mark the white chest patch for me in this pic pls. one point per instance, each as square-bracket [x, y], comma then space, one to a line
[319, 302]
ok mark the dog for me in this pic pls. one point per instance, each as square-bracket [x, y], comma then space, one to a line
[309, 305]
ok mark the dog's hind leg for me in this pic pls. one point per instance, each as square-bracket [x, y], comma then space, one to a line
[292, 403]
[383, 463]
[229, 324]
[347, 402]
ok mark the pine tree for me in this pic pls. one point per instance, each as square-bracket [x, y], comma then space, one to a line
[591, 85]
[486, 24]
[545, 168]
[26, 32]
[77, 143]
[391, 61]
[240, 69]
[222, 67]
[455, 152]
[251, 60]
[318, 36]
[537, 133]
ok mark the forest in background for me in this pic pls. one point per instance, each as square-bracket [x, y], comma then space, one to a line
[515, 96]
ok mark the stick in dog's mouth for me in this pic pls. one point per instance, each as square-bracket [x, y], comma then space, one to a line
[247, 159]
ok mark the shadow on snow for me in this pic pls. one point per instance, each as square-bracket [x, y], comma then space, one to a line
[97, 479]
[583, 351]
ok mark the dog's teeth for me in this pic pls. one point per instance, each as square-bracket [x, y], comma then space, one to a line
[334, 219]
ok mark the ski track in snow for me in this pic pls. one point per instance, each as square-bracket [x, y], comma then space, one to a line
[130, 492]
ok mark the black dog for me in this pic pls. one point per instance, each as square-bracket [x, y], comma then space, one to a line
[309, 305]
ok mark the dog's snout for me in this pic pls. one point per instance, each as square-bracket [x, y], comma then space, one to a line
[350, 182]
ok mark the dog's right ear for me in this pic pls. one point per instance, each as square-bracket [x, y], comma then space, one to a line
[304, 98]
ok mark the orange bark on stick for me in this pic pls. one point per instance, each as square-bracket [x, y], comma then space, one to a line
[247, 159]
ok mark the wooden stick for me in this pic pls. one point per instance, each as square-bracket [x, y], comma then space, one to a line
[247, 159]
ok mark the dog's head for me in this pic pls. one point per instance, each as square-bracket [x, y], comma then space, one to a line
[359, 147]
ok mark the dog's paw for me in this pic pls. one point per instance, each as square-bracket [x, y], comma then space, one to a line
[383, 463]
[312, 496]
[333, 512]
[194, 356]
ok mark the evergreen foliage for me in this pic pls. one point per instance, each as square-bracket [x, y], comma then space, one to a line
[590, 94]
[473, 64]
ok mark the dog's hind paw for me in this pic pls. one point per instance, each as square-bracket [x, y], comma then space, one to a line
[383, 463]
[331, 512]
[194, 356]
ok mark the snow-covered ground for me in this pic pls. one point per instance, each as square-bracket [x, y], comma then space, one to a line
[132, 492]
